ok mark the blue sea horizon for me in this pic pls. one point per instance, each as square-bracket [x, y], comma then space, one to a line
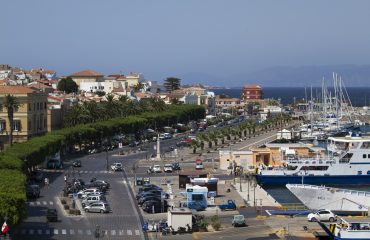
[359, 96]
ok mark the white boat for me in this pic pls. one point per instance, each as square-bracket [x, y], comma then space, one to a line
[347, 162]
[346, 230]
[336, 199]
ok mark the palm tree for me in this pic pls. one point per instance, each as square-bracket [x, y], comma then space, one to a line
[11, 104]
[194, 144]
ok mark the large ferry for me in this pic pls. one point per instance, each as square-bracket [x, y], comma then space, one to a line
[337, 200]
[347, 162]
[345, 230]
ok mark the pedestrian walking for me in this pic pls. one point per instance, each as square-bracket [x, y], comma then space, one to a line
[65, 179]
[46, 182]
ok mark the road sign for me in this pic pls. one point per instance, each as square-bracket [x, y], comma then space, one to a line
[119, 145]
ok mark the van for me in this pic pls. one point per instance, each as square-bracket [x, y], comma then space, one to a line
[92, 199]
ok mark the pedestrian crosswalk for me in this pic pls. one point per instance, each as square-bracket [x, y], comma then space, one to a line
[75, 232]
[41, 203]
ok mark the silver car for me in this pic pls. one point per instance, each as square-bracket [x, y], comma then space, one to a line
[101, 207]
[92, 199]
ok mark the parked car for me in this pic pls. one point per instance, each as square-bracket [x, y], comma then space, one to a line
[76, 163]
[148, 198]
[33, 191]
[148, 206]
[92, 199]
[157, 169]
[51, 215]
[150, 170]
[322, 215]
[238, 221]
[116, 167]
[83, 193]
[183, 144]
[176, 166]
[167, 168]
[149, 187]
[36, 176]
[101, 207]
[156, 193]
[100, 182]
[199, 166]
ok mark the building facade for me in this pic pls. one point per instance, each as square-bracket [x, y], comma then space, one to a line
[252, 92]
[87, 76]
[30, 119]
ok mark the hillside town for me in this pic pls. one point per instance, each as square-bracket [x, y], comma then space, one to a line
[45, 101]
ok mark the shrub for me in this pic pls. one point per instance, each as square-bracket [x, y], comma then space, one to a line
[63, 201]
[74, 212]
[215, 223]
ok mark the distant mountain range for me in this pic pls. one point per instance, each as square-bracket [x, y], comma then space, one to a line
[285, 76]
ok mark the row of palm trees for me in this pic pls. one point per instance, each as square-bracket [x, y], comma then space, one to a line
[11, 104]
[242, 130]
[89, 112]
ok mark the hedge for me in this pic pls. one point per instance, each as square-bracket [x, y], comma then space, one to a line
[16, 159]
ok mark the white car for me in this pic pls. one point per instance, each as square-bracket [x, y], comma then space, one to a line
[199, 166]
[322, 215]
[157, 169]
[116, 167]
[84, 193]
[167, 168]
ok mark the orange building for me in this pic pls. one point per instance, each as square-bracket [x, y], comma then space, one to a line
[252, 92]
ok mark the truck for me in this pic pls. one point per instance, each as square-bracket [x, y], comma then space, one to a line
[229, 205]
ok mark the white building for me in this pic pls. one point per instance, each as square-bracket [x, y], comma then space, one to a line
[108, 86]
[230, 158]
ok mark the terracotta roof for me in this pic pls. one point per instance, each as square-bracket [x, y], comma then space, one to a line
[252, 86]
[87, 73]
[117, 76]
[16, 90]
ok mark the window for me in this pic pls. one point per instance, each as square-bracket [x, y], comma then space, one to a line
[29, 107]
[359, 173]
[16, 125]
[368, 172]
[45, 123]
[2, 125]
[363, 155]
[45, 105]
[1, 107]
[29, 125]
[368, 156]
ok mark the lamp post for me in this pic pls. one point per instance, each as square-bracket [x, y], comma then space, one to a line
[254, 194]
[249, 178]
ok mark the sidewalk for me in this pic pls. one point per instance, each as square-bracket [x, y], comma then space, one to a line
[261, 197]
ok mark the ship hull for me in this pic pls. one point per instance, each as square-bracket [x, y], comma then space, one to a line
[268, 180]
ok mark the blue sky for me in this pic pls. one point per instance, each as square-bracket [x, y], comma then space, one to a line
[162, 38]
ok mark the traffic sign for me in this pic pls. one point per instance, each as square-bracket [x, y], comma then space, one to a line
[119, 145]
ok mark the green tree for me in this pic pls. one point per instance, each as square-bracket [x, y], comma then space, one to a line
[138, 87]
[172, 83]
[67, 85]
[11, 104]
[100, 93]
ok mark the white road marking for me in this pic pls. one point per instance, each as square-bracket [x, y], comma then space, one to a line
[71, 231]
[51, 203]
[121, 232]
[38, 203]
[32, 203]
[124, 182]
[86, 171]
[44, 202]
[39, 231]
[47, 231]
[137, 232]
[80, 232]
[88, 232]
[129, 232]
[113, 232]
[56, 232]
[64, 231]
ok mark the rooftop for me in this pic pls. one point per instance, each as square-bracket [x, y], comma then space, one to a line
[252, 86]
[87, 73]
[16, 90]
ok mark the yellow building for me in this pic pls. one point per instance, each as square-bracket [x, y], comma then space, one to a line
[30, 119]
[87, 76]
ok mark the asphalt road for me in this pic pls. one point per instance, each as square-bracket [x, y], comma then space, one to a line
[122, 222]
